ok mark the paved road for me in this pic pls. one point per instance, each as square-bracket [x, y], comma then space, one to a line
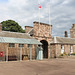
[45, 67]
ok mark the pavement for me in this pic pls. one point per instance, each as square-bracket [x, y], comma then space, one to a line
[59, 66]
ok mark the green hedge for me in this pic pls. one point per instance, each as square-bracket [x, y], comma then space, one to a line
[64, 54]
[72, 53]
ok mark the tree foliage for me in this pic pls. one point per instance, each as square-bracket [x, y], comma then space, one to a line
[10, 25]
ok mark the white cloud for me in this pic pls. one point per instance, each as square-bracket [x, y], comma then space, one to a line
[25, 12]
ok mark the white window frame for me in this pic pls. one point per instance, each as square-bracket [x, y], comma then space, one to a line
[62, 49]
[71, 48]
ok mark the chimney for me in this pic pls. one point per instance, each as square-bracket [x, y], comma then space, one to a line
[0, 27]
[66, 35]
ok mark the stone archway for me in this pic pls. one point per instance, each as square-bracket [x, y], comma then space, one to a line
[45, 48]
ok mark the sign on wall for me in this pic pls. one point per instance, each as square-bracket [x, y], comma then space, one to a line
[1, 53]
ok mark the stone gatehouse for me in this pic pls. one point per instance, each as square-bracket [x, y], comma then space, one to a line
[45, 35]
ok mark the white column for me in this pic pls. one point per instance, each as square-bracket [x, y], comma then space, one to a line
[30, 53]
[20, 54]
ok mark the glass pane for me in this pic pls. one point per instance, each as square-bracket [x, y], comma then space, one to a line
[11, 45]
[21, 45]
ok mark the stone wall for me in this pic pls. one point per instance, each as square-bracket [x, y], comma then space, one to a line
[56, 49]
[52, 50]
[28, 28]
[72, 31]
[74, 48]
[3, 48]
[16, 51]
[45, 30]
[67, 48]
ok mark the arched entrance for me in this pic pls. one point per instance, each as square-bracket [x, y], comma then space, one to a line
[45, 48]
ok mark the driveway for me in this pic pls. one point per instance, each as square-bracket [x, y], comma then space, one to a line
[46, 67]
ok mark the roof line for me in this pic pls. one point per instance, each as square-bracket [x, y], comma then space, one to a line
[65, 37]
[14, 32]
[42, 23]
[30, 30]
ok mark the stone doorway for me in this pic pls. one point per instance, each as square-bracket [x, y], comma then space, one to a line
[45, 48]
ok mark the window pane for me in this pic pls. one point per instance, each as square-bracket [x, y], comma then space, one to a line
[21, 45]
[71, 49]
[62, 49]
[11, 45]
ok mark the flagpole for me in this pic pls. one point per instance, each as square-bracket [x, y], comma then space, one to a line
[49, 18]
[39, 20]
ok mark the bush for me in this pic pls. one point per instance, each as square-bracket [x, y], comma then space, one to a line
[72, 53]
[61, 55]
[68, 54]
[64, 54]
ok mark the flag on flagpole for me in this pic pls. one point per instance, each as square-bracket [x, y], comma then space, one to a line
[40, 6]
[39, 17]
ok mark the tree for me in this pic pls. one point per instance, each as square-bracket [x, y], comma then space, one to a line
[10, 25]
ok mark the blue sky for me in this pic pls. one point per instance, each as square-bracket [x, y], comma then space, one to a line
[3, 0]
[25, 12]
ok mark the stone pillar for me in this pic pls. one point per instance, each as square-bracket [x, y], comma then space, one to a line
[49, 51]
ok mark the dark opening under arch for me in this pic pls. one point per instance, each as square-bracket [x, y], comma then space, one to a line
[45, 48]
